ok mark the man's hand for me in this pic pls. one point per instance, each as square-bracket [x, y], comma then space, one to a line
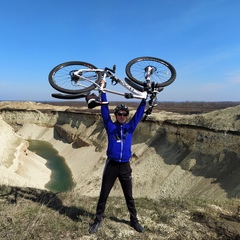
[103, 85]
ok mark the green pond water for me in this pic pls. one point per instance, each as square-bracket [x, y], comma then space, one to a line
[61, 176]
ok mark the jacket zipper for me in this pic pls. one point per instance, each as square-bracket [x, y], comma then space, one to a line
[121, 133]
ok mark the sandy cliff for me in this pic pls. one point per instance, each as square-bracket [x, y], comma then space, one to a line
[17, 165]
[173, 155]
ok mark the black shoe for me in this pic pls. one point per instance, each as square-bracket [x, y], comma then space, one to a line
[137, 227]
[94, 227]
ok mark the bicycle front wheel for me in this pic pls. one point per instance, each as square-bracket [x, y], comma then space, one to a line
[163, 73]
[63, 80]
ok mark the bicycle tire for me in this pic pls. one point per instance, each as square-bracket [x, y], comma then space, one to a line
[61, 78]
[134, 85]
[164, 73]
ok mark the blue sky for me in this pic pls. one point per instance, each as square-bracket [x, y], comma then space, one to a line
[201, 39]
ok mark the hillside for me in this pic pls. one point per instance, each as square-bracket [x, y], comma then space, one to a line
[29, 213]
[175, 156]
[187, 155]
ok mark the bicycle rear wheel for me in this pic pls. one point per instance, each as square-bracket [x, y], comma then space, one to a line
[63, 80]
[163, 73]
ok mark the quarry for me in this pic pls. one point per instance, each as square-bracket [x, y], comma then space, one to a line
[174, 155]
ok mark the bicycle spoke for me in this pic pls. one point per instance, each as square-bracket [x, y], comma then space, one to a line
[162, 72]
[64, 79]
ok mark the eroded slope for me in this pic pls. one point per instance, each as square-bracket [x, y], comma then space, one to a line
[173, 154]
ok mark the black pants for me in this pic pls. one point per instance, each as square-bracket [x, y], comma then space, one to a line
[123, 172]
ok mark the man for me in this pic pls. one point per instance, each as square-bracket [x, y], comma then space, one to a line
[118, 159]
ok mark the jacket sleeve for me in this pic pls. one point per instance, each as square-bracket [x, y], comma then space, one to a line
[105, 110]
[138, 114]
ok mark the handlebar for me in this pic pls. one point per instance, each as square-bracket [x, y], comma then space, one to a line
[113, 70]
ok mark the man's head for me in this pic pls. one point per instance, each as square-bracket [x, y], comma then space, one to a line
[121, 112]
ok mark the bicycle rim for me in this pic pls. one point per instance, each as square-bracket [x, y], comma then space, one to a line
[163, 75]
[61, 77]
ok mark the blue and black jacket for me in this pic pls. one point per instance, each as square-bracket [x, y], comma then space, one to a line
[120, 135]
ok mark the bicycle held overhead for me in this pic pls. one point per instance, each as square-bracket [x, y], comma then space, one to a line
[146, 77]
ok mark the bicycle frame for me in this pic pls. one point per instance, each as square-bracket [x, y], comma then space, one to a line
[144, 80]
[134, 93]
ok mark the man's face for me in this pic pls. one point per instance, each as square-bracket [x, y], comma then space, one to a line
[121, 116]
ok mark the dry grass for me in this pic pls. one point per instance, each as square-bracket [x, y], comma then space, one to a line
[28, 213]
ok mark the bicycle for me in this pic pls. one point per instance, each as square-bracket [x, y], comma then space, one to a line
[147, 76]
